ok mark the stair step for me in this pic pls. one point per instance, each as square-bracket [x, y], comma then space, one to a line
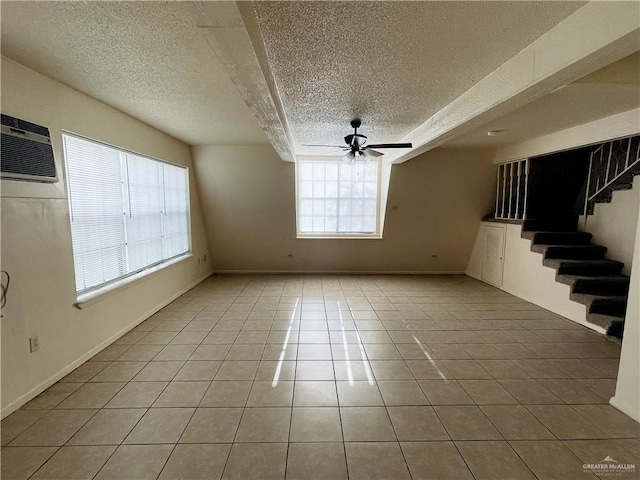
[596, 285]
[608, 305]
[561, 224]
[571, 252]
[584, 267]
[613, 324]
[559, 238]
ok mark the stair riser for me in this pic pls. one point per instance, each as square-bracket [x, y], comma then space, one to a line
[601, 289]
[607, 309]
[559, 239]
[575, 254]
[589, 270]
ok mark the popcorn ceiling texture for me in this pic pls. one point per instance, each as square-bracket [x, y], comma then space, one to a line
[393, 64]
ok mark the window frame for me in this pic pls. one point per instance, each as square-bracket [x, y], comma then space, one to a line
[89, 295]
[376, 235]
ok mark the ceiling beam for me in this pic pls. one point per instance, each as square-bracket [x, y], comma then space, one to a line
[224, 29]
[594, 36]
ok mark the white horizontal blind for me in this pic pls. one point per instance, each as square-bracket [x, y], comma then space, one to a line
[120, 222]
[335, 197]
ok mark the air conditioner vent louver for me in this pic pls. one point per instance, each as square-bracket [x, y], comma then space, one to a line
[26, 152]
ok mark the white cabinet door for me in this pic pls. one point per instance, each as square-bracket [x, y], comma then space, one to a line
[493, 254]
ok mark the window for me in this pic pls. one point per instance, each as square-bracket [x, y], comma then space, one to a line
[128, 212]
[337, 199]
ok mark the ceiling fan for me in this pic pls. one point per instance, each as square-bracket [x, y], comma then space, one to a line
[356, 146]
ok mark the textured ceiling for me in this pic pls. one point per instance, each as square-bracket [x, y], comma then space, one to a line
[225, 73]
[146, 59]
[610, 90]
[393, 64]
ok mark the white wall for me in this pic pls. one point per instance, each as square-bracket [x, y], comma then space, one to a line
[613, 225]
[37, 252]
[627, 397]
[248, 198]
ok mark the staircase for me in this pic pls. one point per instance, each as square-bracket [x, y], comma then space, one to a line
[595, 281]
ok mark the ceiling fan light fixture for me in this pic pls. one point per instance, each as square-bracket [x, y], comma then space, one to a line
[349, 158]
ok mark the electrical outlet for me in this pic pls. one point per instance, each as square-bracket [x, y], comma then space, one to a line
[34, 344]
[204, 258]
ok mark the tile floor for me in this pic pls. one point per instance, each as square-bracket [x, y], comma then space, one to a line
[333, 377]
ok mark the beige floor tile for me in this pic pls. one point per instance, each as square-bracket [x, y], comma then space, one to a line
[466, 423]
[315, 424]
[226, 394]
[196, 462]
[159, 337]
[256, 460]
[610, 420]
[515, 422]
[75, 463]
[55, 428]
[309, 334]
[541, 368]
[215, 351]
[108, 427]
[576, 368]
[366, 424]
[376, 461]
[220, 338]
[551, 460]
[110, 353]
[140, 353]
[288, 352]
[91, 395]
[402, 392]
[212, 425]
[198, 370]
[19, 463]
[237, 370]
[315, 394]
[189, 338]
[275, 371]
[465, 369]
[158, 372]
[137, 395]
[249, 337]
[160, 425]
[18, 422]
[445, 392]
[271, 394]
[314, 370]
[503, 369]
[316, 461]
[494, 461]
[175, 353]
[353, 370]
[314, 351]
[85, 371]
[487, 392]
[140, 462]
[565, 423]
[435, 461]
[624, 451]
[182, 394]
[264, 425]
[414, 424]
[359, 394]
[390, 370]
[245, 352]
[119, 372]
[372, 336]
[382, 351]
[530, 392]
[428, 369]
[52, 396]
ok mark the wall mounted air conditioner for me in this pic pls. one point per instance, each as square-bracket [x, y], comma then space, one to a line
[26, 152]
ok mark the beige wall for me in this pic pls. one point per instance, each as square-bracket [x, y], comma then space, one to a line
[37, 252]
[248, 198]
[613, 224]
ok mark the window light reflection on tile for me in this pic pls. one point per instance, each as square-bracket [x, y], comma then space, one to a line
[365, 363]
[276, 375]
[429, 357]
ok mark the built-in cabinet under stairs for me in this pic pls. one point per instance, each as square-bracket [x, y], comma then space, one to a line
[594, 280]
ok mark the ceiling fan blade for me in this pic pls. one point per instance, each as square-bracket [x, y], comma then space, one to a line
[391, 145]
[330, 146]
[335, 152]
[373, 152]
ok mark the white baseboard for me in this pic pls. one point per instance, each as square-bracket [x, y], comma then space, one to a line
[333, 272]
[38, 389]
[632, 411]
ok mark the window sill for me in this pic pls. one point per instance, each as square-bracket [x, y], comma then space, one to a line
[344, 236]
[95, 296]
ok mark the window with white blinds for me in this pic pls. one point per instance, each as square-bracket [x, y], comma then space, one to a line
[335, 198]
[128, 212]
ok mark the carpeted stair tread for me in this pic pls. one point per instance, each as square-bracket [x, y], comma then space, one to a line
[558, 238]
[571, 252]
[609, 305]
[613, 324]
[591, 267]
[612, 285]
